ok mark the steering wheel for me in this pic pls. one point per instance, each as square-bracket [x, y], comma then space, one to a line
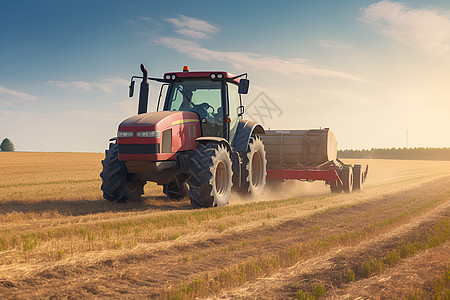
[202, 110]
[207, 106]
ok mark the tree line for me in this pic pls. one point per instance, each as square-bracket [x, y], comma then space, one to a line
[398, 153]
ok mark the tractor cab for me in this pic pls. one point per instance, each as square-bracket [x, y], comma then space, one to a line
[213, 96]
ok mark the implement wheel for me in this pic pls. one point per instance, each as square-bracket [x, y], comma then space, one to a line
[347, 178]
[117, 184]
[335, 187]
[210, 176]
[358, 178]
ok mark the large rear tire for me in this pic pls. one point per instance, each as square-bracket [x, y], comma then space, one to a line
[210, 177]
[176, 190]
[254, 171]
[347, 178]
[358, 178]
[117, 184]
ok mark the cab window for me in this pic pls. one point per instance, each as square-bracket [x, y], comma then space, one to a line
[203, 97]
[234, 102]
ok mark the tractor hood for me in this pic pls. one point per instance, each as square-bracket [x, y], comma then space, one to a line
[158, 136]
[157, 121]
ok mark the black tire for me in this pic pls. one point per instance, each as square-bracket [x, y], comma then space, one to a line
[210, 177]
[346, 175]
[358, 179]
[335, 187]
[176, 191]
[117, 186]
[254, 168]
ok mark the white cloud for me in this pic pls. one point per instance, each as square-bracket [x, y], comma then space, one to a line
[193, 27]
[89, 115]
[246, 61]
[343, 97]
[13, 115]
[74, 86]
[334, 44]
[8, 97]
[428, 29]
[145, 18]
[106, 85]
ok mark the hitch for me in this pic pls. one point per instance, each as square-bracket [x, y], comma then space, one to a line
[365, 173]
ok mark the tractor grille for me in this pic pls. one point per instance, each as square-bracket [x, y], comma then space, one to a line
[138, 148]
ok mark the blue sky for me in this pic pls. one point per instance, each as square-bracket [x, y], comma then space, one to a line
[368, 70]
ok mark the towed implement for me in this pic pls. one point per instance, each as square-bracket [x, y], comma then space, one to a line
[200, 145]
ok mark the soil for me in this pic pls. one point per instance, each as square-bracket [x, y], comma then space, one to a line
[153, 271]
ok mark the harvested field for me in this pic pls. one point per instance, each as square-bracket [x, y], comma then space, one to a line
[59, 238]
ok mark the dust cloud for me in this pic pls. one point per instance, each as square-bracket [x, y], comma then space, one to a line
[276, 190]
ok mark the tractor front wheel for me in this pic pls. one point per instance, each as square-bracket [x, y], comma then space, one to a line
[117, 184]
[210, 176]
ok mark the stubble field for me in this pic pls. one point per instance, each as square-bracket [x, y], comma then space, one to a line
[59, 238]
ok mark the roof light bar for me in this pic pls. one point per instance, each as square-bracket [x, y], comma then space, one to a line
[170, 77]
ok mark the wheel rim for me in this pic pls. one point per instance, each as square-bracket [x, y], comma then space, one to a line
[221, 178]
[257, 175]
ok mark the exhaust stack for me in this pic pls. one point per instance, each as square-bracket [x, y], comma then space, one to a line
[143, 94]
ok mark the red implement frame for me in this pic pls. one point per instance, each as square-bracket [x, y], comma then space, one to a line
[282, 174]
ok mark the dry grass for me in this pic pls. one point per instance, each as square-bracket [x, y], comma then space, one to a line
[52, 212]
[438, 235]
[288, 256]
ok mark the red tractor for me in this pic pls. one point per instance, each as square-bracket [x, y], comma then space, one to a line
[199, 144]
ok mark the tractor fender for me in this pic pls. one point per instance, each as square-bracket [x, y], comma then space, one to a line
[244, 131]
[214, 139]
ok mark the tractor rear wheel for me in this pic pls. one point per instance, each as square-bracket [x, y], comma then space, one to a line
[175, 190]
[254, 170]
[117, 184]
[358, 180]
[347, 178]
[210, 177]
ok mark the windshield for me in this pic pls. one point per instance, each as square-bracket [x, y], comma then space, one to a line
[192, 95]
[203, 97]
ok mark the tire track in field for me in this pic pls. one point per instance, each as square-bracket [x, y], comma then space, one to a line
[152, 274]
[330, 269]
[49, 183]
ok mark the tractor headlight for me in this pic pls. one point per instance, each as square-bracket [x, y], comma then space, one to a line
[153, 134]
[125, 134]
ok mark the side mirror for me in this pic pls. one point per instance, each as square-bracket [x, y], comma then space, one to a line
[131, 92]
[240, 110]
[243, 86]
